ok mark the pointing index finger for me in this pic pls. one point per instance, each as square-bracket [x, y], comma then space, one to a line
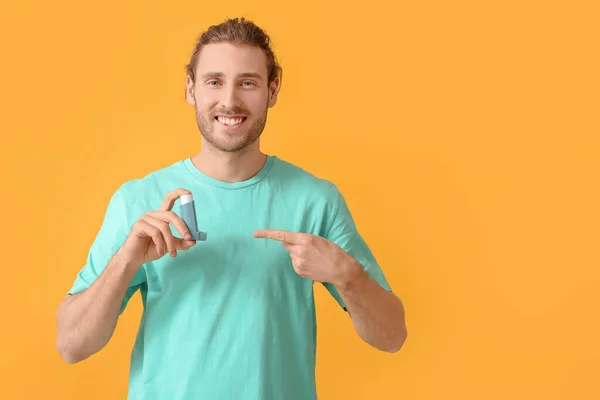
[277, 234]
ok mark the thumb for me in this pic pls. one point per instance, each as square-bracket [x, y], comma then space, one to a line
[183, 244]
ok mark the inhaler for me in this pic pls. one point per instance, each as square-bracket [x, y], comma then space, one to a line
[187, 210]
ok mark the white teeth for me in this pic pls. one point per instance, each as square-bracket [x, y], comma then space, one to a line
[230, 121]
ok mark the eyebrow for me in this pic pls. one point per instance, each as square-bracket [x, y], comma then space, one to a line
[208, 75]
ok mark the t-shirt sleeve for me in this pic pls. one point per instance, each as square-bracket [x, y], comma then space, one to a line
[113, 232]
[344, 233]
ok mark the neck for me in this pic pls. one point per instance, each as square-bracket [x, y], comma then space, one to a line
[230, 167]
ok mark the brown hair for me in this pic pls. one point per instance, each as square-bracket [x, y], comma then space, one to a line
[237, 31]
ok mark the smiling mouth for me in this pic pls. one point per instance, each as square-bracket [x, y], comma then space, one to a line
[230, 121]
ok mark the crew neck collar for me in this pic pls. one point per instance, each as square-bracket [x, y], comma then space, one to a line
[229, 185]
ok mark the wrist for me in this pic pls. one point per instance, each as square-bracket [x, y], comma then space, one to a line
[353, 275]
[125, 264]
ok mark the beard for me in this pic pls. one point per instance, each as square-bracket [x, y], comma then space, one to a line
[235, 141]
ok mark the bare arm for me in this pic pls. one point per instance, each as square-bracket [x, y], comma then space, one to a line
[86, 320]
[377, 314]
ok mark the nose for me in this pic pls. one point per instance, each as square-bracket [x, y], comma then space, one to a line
[230, 99]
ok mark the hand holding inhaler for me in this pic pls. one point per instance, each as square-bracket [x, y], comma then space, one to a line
[151, 238]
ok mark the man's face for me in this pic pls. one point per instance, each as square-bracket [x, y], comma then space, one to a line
[231, 95]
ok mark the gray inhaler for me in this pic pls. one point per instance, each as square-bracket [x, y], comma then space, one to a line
[187, 211]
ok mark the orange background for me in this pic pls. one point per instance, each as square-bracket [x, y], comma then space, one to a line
[464, 136]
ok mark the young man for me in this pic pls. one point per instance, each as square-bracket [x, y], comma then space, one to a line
[232, 317]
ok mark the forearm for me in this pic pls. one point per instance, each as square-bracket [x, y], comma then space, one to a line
[87, 320]
[377, 314]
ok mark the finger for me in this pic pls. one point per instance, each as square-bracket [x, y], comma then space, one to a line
[170, 198]
[158, 239]
[172, 218]
[156, 235]
[183, 244]
[165, 231]
[289, 247]
[277, 234]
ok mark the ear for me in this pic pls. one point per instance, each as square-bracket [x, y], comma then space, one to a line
[274, 88]
[189, 91]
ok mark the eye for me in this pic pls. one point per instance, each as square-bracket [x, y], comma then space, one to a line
[210, 83]
[248, 82]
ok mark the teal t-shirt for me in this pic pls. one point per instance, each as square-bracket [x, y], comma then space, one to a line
[228, 319]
